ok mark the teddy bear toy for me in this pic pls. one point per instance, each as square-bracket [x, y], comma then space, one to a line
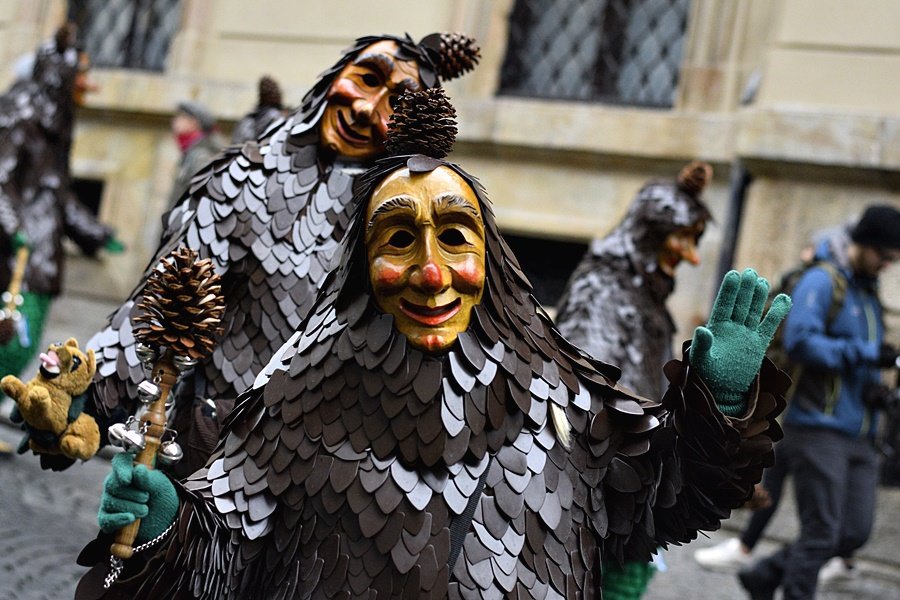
[50, 405]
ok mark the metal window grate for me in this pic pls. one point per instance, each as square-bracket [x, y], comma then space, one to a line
[617, 51]
[127, 34]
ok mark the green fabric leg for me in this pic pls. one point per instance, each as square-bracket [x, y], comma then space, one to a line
[628, 582]
[14, 356]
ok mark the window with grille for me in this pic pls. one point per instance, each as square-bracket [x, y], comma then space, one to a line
[616, 51]
[126, 34]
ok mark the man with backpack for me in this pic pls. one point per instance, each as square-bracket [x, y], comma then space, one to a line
[831, 422]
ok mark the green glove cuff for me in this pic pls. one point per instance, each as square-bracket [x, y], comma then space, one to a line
[114, 245]
[136, 492]
[730, 403]
[18, 240]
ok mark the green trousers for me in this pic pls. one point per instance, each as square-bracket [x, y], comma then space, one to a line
[15, 355]
[628, 582]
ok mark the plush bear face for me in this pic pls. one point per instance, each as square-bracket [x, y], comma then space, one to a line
[67, 368]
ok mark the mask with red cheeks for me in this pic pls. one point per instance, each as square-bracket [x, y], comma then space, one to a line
[361, 101]
[426, 254]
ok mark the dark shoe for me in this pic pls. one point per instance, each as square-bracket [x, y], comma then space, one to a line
[756, 586]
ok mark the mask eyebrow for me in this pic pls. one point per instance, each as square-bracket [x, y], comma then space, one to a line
[408, 85]
[382, 63]
[399, 204]
[458, 204]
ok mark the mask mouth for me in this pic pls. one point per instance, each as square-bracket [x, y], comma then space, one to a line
[348, 133]
[430, 316]
[49, 364]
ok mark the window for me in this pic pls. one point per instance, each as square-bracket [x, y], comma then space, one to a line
[126, 34]
[616, 51]
[548, 264]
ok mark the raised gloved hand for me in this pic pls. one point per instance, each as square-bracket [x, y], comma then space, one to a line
[114, 245]
[136, 492]
[887, 356]
[728, 352]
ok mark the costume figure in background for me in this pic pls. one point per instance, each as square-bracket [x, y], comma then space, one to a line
[37, 205]
[831, 422]
[427, 432]
[270, 215]
[614, 307]
[269, 108]
[194, 128]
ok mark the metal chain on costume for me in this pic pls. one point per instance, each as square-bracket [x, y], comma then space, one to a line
[116, 564]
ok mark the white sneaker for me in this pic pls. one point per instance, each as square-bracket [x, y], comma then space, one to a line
[836, 571]
[724, 557]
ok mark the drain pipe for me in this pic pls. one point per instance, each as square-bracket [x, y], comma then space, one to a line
[740, 180]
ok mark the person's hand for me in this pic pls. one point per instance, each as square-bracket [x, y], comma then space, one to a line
[19, 240]
[728, 352]
[114, 245]
[135, 492]
[887, 356]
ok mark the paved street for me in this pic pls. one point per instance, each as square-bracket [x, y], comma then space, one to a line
[45, 519]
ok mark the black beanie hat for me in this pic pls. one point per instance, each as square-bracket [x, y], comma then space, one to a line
[879, 227]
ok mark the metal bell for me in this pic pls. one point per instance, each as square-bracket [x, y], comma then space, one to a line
[116, 434]
[133, 441]
[148, 392]
[169, 453]
[183, 363]
[146, 354]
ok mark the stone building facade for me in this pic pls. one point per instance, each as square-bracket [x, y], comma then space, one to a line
[793, 102]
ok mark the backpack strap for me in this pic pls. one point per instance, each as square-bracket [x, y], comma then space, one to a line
[839, 286]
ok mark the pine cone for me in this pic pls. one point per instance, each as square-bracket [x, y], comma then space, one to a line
[182, 306]
[459, 55]
[269, 92]
[423, 123]
[694, 177]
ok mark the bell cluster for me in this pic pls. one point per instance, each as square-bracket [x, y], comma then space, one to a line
[131, 435]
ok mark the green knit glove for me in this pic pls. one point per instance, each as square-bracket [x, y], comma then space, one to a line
[114, 245]
[19, 239]
[136, 492]
[729, 351]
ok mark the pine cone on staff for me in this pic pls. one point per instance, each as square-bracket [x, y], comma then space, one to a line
[423, 123]
[182, 306]
[459, 55]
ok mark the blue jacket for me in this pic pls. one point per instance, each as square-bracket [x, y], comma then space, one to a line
[838, 359]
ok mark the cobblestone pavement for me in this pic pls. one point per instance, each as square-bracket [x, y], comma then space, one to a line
[46, 518]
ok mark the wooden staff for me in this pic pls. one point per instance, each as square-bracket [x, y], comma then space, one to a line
[15, 283]
[180, 316]
[153, 424]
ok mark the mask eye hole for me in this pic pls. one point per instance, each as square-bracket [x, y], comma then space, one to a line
[401, 239]
[452, 237]
[76, 362]
[371, 80]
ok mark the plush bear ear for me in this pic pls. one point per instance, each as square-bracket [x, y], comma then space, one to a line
[72, 342]
[91, 362]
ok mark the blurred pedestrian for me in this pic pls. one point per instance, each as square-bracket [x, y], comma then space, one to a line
[831, 421]
[37, 205]
[194, 128]
[614, 306]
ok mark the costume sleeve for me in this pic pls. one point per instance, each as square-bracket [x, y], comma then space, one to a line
[82, 227]
[805, 336]
[698, 465]
[172, 569]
